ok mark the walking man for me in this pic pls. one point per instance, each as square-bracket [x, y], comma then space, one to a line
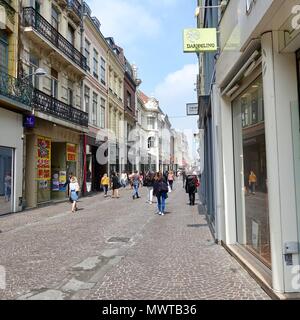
[192, 184]
[136, 184]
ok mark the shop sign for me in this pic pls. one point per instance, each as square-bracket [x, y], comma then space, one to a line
[192, 109]
[71, 152]
[29, 121]
[44, 159]
[200, 40]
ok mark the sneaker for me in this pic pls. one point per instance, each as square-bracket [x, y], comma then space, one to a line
[150, 202]
[162, 214]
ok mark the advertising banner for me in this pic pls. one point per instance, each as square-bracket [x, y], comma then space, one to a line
[44, 159]
[71, 152]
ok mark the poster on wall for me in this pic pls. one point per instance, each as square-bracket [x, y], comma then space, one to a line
[44, 159]
[62, 180]
[71, 152]
[55, 182]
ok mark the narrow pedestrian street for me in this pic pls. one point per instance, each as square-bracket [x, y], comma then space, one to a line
[118, 249]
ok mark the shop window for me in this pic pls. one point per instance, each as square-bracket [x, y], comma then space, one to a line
[6, 180]
[251, 172]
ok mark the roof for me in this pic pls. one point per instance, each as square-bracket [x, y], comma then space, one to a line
[143, 97]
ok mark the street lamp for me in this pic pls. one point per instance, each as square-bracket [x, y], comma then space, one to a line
[38, 72]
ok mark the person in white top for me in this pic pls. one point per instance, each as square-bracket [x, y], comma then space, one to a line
[73, 193]
[124, 179]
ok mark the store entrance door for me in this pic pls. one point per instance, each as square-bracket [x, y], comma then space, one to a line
[6, 180]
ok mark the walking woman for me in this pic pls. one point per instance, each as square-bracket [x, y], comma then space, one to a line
[105, 184]
[160, 190]
[73, 192]
[149, 182]
[171, 179]
[192, 183]
[115, 184]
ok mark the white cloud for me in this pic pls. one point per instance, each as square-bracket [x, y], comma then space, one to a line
[124, 20]
[177, 89]
[173, 93]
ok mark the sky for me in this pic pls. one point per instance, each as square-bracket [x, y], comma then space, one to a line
[150, 32]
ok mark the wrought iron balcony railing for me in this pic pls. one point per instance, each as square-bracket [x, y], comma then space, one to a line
[33, 19]
[49, 105]
[10, 11]
[19, 90]
[75, 5]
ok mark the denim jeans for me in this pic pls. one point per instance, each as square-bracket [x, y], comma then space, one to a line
[136, 190]
[161, 201]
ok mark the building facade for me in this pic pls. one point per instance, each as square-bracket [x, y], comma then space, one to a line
[117, 148]
[51, 39]
[255, 130]
[96, 51]
[15, 100]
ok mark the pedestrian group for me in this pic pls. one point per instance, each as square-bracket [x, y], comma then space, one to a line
[158, 185]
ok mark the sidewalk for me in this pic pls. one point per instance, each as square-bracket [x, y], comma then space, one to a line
[118, 249]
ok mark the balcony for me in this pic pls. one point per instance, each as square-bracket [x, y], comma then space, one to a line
[74, 10]
[51, 106]
[39, 30]
[15, 92]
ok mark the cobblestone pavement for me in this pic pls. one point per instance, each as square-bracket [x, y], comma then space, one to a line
[118, 249]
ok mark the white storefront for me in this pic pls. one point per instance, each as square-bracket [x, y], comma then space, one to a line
[11, 161]
[259, 218]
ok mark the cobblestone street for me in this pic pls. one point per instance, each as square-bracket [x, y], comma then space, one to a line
[118, 249]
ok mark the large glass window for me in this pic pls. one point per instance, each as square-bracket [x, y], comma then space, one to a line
[6, 180]
[251, 172]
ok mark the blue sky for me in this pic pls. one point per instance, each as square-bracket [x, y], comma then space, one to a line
[150, 31]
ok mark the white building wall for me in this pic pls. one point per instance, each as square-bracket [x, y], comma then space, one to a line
[11, 134]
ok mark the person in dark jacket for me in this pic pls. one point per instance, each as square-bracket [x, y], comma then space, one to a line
[160, 190]
[115, 185]
[191, 186]
[149, 182]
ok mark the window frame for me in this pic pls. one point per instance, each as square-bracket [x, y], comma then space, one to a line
[95, 64]
[4, 42]
[103, 71]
